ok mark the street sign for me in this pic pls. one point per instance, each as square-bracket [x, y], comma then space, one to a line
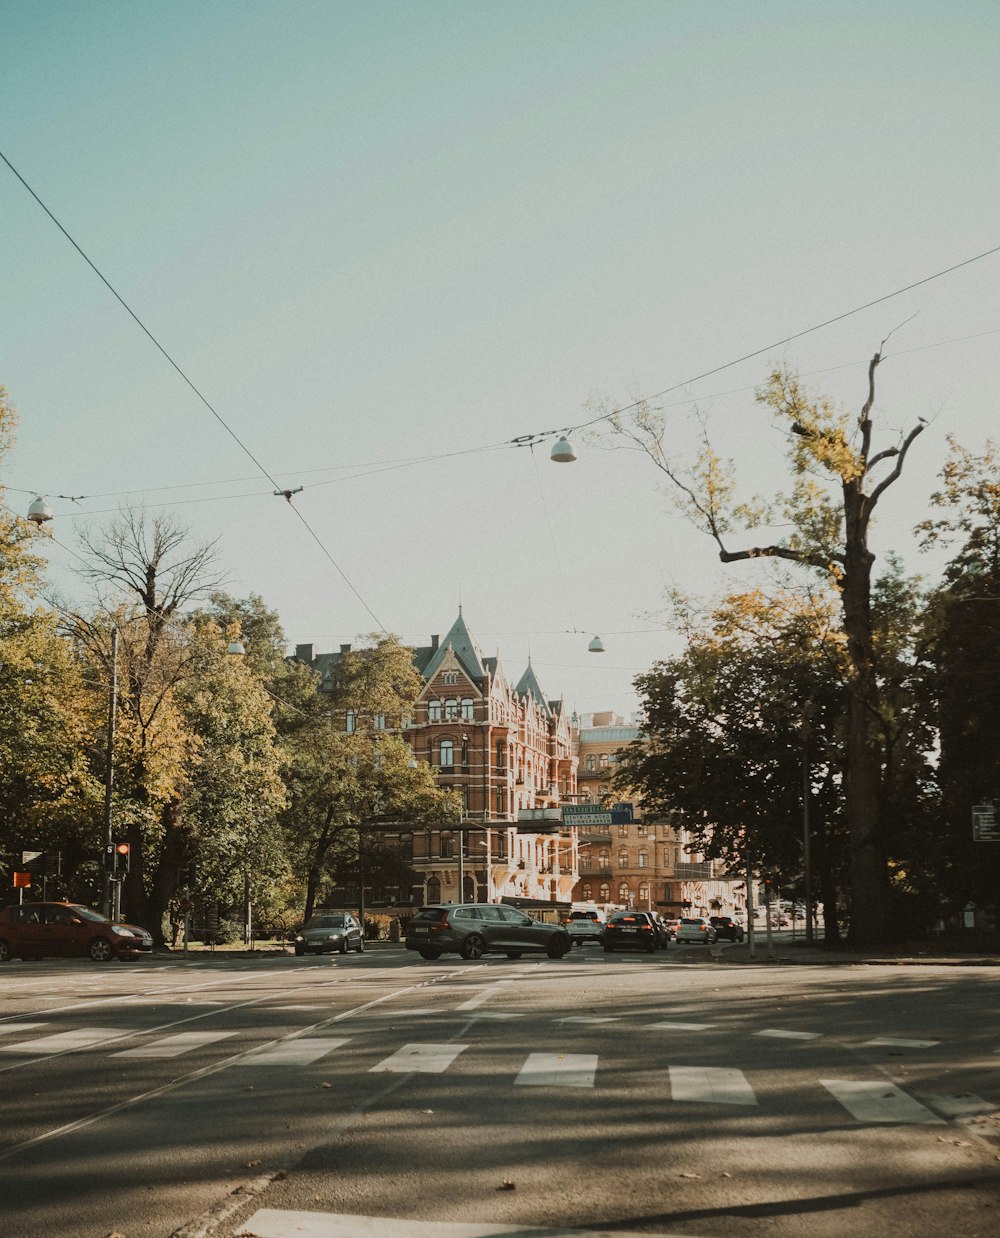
[621, 814]
[984, 824]
[585, 814]
[22, 881]
[28, 856]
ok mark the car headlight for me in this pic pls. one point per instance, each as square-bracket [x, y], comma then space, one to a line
[122, 931]
[299, 937]
[334, 936]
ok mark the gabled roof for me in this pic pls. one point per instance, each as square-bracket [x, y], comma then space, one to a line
[460, 641]
[528, 685]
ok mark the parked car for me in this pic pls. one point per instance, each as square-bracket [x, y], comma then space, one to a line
[475, 929]
[694, 928]
[727, 927]
[584, 926]
[671, 924]
[67, 930]
[330, 931]
[632, 930]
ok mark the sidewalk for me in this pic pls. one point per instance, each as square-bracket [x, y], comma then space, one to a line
[786, 951]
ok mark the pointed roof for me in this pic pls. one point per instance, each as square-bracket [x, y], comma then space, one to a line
[459, 641]
[528, 685]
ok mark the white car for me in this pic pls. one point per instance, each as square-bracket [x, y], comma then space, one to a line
[692, 928]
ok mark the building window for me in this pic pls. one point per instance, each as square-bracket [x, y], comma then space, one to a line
[406, 847]
[447, 753]
[450, 710]
[501, 755]
[378, 722]
[604, 760]
[644, 893]
[623, 831]
[623, 892]
[468, 709]
[604, 859]
[352, 721]
[591, 761]
[605, 892]
[450, 677]
[642, 857]
[447, 845]
[434, 711]
[585, 894]
[465, 754]
[501, 840]
[623, 858]
[433, 890]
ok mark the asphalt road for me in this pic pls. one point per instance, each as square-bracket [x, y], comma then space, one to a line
[378, 1094]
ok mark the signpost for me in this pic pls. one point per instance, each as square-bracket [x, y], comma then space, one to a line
[984, 823]
[585, 814]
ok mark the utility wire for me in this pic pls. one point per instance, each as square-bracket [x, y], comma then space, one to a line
[204, 400]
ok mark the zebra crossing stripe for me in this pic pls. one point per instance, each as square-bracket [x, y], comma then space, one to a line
[277, 1223]
[684, 1027]
[778, 1034]
[720, 1085]
[61, 1042]
[894, 1043]
[298, 1052]
[8, 1028]
[421, 1059]
[875, 1101]
[961, 1105]
[174, 1046]
[567, 1070]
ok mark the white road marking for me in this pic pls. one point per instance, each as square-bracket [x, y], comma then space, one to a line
[19, 1027]
[720, 1085]
[174, 1046]
[298, 1052]
[277, 1223]
[684, 1027]
[495, 1014]
[873, 1101]
[583, 1018]
[566, 1070]
[295, 1007]
[421, 1059]
[902, 1044]
[61, 1042]
[478, 1000]
[776, 1032]
[961, 1105]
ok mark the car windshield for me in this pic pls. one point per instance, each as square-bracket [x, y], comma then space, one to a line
[86, 914]
[327, 922]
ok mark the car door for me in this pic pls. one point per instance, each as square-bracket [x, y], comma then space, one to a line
[26, 930]
[66, 933]
[520, 931]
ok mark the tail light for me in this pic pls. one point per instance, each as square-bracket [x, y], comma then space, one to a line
[440, 924]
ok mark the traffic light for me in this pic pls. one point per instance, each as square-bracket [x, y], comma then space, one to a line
[110, 857]
[123, 852]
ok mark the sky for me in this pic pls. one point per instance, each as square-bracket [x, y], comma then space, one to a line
[378, 242]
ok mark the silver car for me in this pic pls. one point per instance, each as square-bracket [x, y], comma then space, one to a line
[693, 928]
[329, 931]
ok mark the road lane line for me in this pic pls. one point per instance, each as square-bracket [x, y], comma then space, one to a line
[872, 1101]
[720, 1085]
[894, 1043]
[780, 1035]
[566, 1070]
[684, 1027]
[425, 1059]
[278, 1223]
[174, 1046]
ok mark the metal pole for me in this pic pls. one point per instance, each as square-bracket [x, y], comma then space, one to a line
[109, 769]
[751, 934]
[461, 864]
[805, 844]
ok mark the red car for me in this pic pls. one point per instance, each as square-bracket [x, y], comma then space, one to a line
[68, 930]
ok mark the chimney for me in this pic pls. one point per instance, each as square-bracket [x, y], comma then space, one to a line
[304, 653]
[434, 643]
[345, 649]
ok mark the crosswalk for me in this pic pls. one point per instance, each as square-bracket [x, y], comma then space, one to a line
[865, 1100]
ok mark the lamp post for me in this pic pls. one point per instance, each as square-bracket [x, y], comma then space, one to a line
[109, 774]
[808, 713]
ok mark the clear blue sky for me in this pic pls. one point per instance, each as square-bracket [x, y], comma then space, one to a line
[377, 232]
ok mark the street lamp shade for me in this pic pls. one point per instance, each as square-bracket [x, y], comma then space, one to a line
[39, 511]
[236, 648]
[562, 452]
[596, 645]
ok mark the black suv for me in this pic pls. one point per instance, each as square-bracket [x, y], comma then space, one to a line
[475, 929]
[726, 926]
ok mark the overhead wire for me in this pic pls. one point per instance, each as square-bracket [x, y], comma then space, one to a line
[198, 393]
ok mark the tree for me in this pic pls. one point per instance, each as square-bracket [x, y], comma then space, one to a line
[830, 523]
[964, 669]
[146, 571]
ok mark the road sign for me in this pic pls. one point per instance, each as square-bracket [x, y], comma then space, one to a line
[28, 856]
[984, 824]
[621, 814]
[585, 814]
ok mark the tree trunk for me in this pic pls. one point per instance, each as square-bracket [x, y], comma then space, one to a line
[315, 874]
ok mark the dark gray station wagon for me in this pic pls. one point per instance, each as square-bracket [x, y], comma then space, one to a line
[475, 929]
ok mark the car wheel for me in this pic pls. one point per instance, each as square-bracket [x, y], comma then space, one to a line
[100, 950]
[474, 947]
[558, 947]
[429, 952]
[361, 945]
[513, 954]
[651, 948]
[4, 951]
[299, 951]
[342, 948]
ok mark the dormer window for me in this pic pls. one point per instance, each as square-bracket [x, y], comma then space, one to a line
[449, 677]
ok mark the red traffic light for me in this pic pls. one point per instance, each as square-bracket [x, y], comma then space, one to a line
[122, 849]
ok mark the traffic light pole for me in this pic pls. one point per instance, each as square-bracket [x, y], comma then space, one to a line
[109, 771]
